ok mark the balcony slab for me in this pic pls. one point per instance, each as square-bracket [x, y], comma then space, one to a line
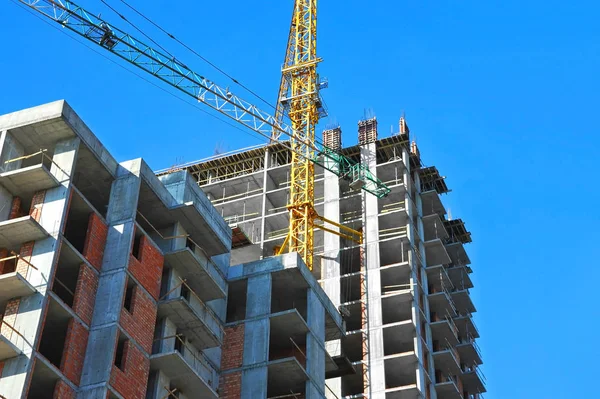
[25, 182]
[199, 273]
[184, 376]
[15, 232]
[14, 285]
[447, 390]
[201, 329]
[285, 376]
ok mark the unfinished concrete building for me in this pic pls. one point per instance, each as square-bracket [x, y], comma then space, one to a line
[404, 292]
[114, 282]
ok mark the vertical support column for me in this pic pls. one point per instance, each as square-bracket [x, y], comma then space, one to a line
[122, 209]
[372, 276]
[315, 355]
[256, 337]
[264, 204]
[28, 319]
[330, 267]
[415, 253]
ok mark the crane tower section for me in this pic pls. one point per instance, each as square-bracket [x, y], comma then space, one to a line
[300, 97]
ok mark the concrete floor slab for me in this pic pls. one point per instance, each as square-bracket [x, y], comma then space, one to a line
[447, 390]
[441, 303]
[404, 392]
[200, 329]
[183, 375]
[473, 382]
[447, 362]
[7, 349]
[433, 227]
[25, 182]
[469, 353]
[15, 232]
[457, 254]
[466, 326]
[443, 331]
[285, 376]
[463, 302]
[432, 203]
[14, 285]
[286, 325]
[201, 275]
[436, 253]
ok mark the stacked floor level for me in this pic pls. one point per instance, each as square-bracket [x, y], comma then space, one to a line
[404, 291]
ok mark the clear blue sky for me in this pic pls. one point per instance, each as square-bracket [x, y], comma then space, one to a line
[501, 95]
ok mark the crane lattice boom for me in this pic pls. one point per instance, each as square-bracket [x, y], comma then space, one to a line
[299, 96]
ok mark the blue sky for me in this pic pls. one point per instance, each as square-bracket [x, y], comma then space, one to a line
[501, 95]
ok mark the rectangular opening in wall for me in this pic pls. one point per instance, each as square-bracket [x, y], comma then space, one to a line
[236, 300]
[54, 332]
[136, 249]
[77, 221]
[43, 381]
[289, 291]
[67, 273]
[92, 179]
[129, 293]
[120, 352]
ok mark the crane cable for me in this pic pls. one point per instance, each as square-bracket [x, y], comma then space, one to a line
[197, 54]
[235, 126]
[316, 140]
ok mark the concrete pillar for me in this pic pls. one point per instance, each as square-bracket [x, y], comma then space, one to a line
[256, 337]
[315, 353]
[43, 256]
[121, 215]
[330, 267]
[373, 280]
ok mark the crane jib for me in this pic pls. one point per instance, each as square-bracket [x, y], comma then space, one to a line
[177, 74]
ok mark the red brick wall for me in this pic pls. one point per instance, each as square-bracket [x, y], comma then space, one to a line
[15, 208]
[36, 205]
[85, 293]
[74, 351]
[142, 319]
[25, 253]
[148, 269]
[233, 347]
[6, 266]
[10, 316]
[230, 386]
[63, 391]
[95, 241]
[1, 367]
[132, 380]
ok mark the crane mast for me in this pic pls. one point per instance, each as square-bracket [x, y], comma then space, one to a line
[298, 96]
[303, 92]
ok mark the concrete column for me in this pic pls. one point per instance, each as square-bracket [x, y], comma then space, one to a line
[256, 337]
[315, 340]
[122, 209]
[157, 386]
[264, 204]
[43, 257]
[330, 267]
[373, 279]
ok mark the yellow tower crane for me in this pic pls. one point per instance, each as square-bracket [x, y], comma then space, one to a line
[299, 99]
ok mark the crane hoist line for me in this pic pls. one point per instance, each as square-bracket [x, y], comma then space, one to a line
[298, 97]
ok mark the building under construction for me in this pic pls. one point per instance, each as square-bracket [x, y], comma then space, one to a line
[403, 292]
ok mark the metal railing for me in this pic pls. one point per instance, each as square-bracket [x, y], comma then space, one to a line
[207, 311]
[43, 156]
[17, 258]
